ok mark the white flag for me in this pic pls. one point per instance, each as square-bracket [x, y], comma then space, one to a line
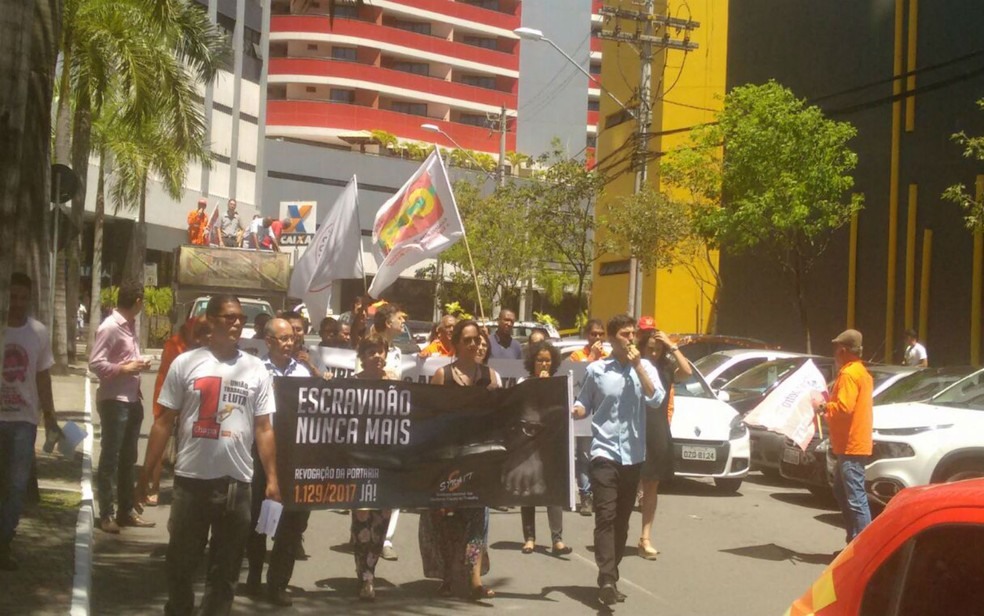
[418, 222]
[788, 409]
[335, 253]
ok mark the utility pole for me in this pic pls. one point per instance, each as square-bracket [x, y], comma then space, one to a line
[500, 170]
[645, 38]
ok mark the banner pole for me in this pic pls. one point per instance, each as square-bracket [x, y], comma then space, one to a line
[471, 262]
[362, 253]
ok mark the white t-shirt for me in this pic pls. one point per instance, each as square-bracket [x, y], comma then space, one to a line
[218, 401]
[256, 226]
[914, 353]
[27, 352]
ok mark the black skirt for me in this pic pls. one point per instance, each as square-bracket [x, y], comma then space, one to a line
[659, 442]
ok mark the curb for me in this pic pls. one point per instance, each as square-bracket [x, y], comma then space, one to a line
[82, 580]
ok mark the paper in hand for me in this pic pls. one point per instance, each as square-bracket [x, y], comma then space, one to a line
[269, 518]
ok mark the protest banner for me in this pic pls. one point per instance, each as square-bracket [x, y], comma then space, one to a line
[788, 409]
[349, 443]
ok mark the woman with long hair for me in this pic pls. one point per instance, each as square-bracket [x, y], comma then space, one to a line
[453, 540]
[369, 525]
[542, 362]
[672, 366]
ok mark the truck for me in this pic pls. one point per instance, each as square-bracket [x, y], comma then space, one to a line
[259, 278]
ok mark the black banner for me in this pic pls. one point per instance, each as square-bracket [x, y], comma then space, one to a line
[349, 443]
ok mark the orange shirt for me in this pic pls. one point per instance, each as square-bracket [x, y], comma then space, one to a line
[197, 226]
[174, 346]
[849, 411]
[436, 349]
[585, 354]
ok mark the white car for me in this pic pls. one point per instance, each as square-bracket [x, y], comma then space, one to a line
[939, 440]
[251, 308]
[720, 367]
[709, 438]
[522, 329]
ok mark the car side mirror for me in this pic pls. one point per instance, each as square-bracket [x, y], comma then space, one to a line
[723, 396]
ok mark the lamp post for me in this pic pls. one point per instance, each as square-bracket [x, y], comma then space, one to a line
[434, 128]
[642, 117]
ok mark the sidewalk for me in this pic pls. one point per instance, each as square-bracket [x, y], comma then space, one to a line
[45, 541]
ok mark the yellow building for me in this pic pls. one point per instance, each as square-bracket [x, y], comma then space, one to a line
[686, 89]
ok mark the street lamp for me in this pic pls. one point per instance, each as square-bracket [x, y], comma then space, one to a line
[643, 119]
[532, 34]
[434, 128]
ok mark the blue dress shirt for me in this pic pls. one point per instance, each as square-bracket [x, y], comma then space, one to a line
[612, 395]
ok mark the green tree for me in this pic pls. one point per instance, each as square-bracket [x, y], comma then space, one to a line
[785, 181]
[972, 205]
[561, 207]
[650, 227]
[503, 251]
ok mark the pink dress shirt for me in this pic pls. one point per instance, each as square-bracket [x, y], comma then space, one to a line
[115, 345]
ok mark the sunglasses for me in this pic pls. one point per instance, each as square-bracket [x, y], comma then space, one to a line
[232, 318]
[472, 339]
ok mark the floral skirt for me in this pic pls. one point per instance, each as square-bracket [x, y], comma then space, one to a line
[368, 533]
[452, 541]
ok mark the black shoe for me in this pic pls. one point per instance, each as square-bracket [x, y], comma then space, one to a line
[7, 562]
[299, 553]
[587, 505]
[252, 588]
[619, 595]
[607, 595]
[279, 597]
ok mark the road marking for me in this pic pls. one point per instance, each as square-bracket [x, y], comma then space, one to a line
[623, 580]
[82, 580]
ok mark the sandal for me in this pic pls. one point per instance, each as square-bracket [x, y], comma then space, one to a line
[646, 550]
[481, 592]
[528, 547]
[559, 549]
[151, 500]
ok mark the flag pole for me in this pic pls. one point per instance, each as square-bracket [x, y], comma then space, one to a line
[471, 262]
[358, 222]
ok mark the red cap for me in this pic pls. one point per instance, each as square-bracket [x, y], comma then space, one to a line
[646, 323]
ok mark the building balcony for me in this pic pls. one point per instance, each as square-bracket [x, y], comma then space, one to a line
[327, 121]
[394, 40]
[393, 82]
[507, 17]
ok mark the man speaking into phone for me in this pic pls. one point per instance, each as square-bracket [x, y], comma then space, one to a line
[616, 391]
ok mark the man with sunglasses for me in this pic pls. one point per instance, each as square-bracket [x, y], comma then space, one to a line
[281, 339]
[223, 400]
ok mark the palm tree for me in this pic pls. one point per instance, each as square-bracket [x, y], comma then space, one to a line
[149, 51]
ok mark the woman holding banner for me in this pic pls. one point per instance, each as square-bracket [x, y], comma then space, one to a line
[671, 366]
[453, 541]
[542, 362]
[369, 525]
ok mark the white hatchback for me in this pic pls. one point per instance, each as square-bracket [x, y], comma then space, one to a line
[918, 443]
[709, 437]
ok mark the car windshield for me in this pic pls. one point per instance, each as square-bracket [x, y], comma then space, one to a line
[694, 387]
[918, 386]
[710, 363]
[967, 393]
[762, 377]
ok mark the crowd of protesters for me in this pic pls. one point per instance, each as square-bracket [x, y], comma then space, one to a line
[220, 483]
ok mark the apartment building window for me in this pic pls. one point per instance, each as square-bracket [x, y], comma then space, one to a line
[419, 109]
[420, 27]
[417, 68]
[480, 41]
[312, 47]
[342, 96]
[592, 141]
[480, 81]
[593, 105]
[310, 89]
[473, 119]
[595, 68]
[345, 11]
[348, 54]
[492, 5]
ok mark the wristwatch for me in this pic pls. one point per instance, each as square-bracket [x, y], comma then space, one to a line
[674, 349]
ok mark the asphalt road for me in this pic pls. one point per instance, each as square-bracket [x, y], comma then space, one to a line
[750, 553]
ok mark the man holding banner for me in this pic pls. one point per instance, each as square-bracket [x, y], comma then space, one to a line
[615, 393]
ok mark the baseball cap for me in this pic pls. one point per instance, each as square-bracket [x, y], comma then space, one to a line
[646, 323]
[850, 338]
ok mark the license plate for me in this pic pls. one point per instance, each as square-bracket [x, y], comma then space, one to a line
[791, 456]
[705, 454]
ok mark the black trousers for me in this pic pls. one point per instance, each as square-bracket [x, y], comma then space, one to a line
[614, 488]
[219, 507]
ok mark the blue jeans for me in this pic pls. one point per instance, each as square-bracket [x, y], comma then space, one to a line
[120, 425]
[582, 461]
[850, 494]
[16, 458]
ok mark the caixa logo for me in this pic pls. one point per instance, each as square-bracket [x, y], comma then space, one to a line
[455, 481]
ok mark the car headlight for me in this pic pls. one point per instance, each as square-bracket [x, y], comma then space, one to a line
[738, 428]
[910, 431]
[882, 449]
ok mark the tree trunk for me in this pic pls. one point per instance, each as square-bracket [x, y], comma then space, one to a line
[133, 273]
[802, 306]
[16, 24]
[95, 303]
[81, 145]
